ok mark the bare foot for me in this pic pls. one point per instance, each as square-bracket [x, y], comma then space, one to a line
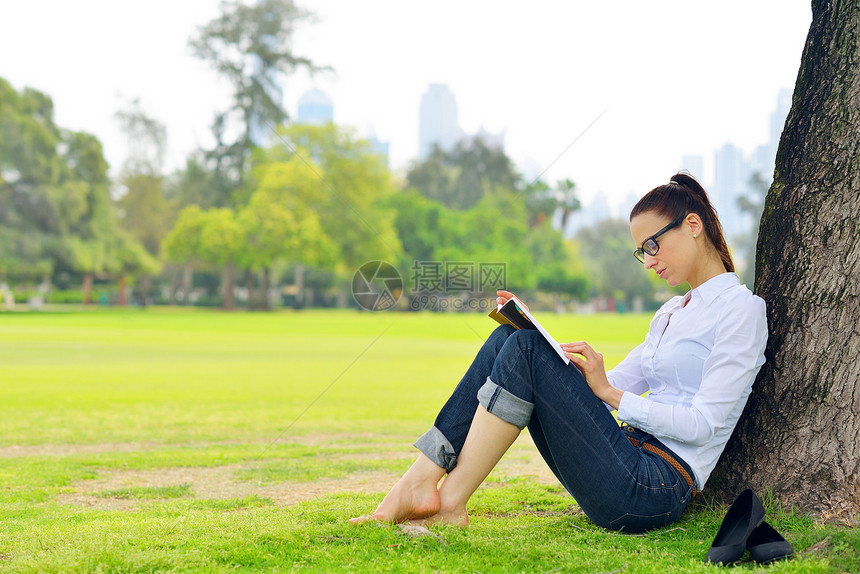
[457, 517]
[406, 501]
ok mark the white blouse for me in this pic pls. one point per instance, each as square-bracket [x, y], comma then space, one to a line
[698, 361]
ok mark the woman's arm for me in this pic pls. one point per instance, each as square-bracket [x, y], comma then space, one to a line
[609, 386]
[728, 375]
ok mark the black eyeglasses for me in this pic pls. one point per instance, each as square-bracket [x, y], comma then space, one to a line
[650, 245]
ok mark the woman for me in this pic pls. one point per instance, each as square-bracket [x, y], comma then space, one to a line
[698, 361]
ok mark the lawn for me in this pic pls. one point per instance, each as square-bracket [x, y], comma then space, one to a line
[182, 440]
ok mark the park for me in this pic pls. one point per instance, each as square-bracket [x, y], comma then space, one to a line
[214, 367]
[197, 441]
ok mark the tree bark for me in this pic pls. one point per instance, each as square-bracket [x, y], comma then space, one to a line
[88, 288]
[265, 300]
[800, 433]
[122, 290]
[299, 301]
[187, 283]
[228, 302]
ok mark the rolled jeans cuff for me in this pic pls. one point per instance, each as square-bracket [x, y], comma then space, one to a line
[437, 448]
[504, 405]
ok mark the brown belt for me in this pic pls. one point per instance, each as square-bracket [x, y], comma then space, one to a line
[667, 457]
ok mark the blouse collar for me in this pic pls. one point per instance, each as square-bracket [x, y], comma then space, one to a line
[710, 289]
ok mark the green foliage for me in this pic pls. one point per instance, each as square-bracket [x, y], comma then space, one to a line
[144, 211]
[54, 189]
[280, 222]
[183, 242]
[608, 252]
[559, 267]
[345, 184]
[248, 44]
[196, 184]
[495, 230]
[461, 177]
[467, 205]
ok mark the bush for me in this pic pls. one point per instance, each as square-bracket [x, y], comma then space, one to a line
[68, 297]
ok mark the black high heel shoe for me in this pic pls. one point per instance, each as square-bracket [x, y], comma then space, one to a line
[766, 544]
[745, 515]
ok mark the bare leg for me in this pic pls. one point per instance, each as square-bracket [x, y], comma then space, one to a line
[488, 440]
[414, 496]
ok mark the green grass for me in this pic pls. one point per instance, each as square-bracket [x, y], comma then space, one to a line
[181, 440]
[148, 492]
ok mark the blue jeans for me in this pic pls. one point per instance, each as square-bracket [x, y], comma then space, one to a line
[518, 377]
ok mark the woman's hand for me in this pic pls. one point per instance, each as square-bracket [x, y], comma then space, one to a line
[505, 296]
[590, 363]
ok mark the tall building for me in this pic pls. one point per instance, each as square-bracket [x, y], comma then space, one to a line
[778, 117]
[731, 179]
[315, 108]
[438, 123]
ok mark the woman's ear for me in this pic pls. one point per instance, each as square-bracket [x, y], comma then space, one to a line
[694, 223]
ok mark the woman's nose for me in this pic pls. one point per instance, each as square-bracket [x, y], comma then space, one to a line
[650, 261]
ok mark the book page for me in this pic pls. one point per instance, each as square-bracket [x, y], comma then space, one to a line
[546, 335]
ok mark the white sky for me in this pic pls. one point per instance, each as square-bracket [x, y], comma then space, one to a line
[678, 77]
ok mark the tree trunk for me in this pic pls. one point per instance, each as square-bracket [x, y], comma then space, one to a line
[227, 281]
[800, 433]
[249, 287]
[122, 289]
[174, 286]
[299, 301]
[145, 286]
[88, 288]
[265, 303]
[187, 283]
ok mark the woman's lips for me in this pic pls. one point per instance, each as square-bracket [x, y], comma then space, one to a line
[661, 273]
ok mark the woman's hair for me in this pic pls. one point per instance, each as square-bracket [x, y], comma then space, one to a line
[683, 195]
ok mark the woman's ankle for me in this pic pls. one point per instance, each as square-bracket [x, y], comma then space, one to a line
[423, 474]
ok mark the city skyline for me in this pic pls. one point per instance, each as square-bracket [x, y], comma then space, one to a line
[667, 79]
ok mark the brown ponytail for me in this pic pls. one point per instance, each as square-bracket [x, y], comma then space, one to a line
[683, 195]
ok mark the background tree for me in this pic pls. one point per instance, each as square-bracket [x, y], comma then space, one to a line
[558, 267]
[350, 186]
[250, 46]
[183, 246]
[221, 245]
[540, 202]
[753, 205]
[461, 177]
[800, 430]
[612, 268]
[30, 170]
[56, 214]
[568, 202]
[279, 223]
[144, 211]
[544, 201]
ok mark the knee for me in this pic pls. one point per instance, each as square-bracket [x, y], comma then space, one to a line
[501, 334]
[503, 331]
[525, 339]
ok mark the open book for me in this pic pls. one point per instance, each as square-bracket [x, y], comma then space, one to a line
[515, 313]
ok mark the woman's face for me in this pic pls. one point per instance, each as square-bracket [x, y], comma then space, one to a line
[676, 255]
